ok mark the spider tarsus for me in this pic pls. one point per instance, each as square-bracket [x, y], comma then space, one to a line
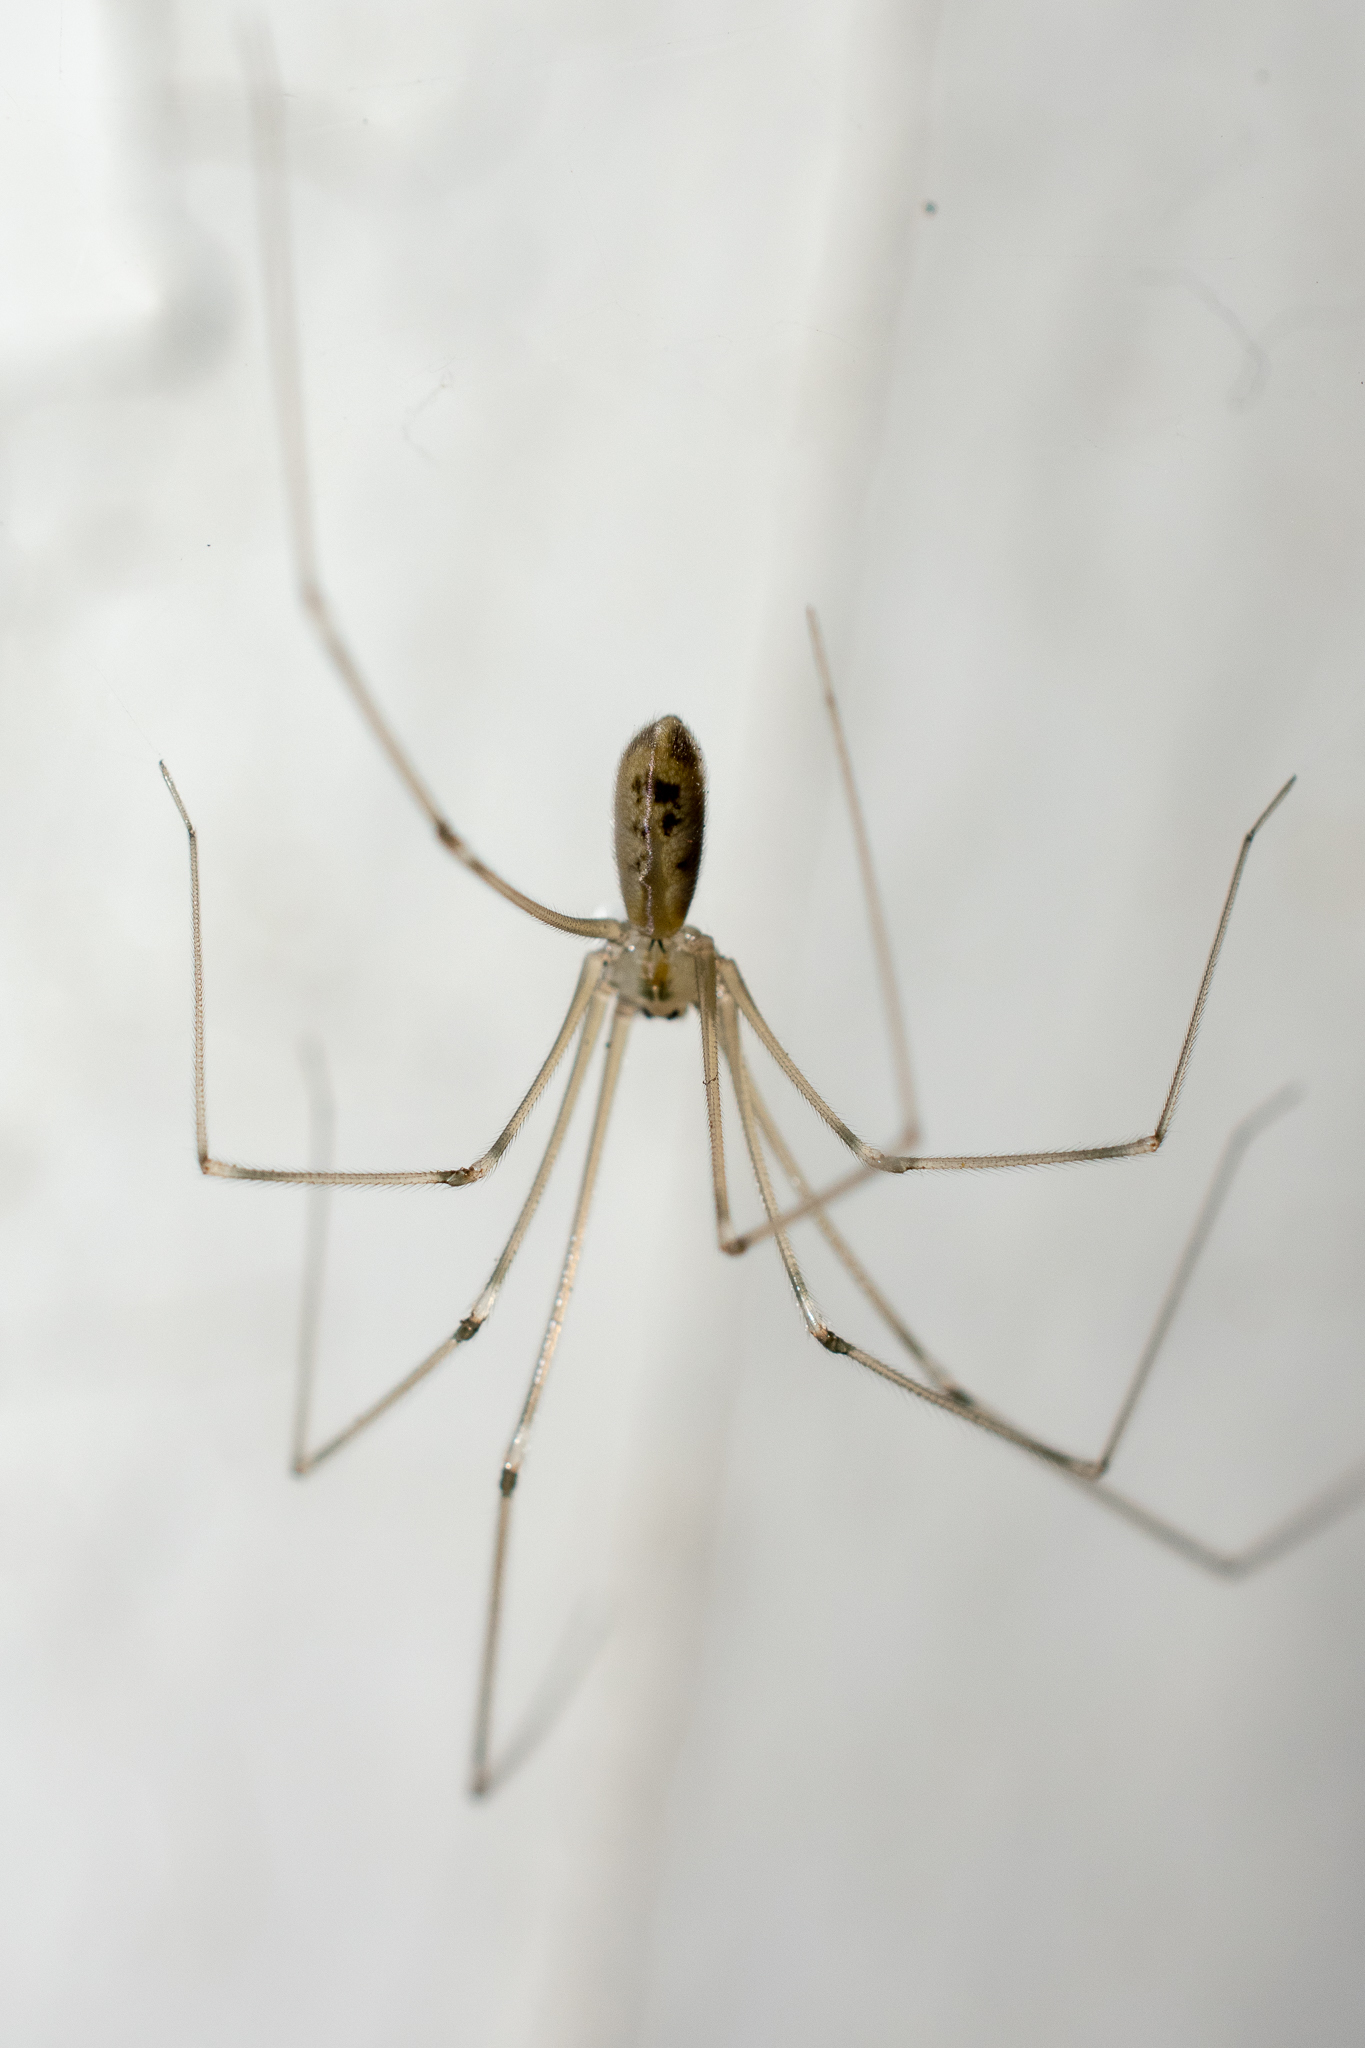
[1273, 805]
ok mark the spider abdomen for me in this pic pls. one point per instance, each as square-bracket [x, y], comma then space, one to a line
[660, 816]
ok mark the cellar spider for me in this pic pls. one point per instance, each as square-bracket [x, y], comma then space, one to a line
[653, 963]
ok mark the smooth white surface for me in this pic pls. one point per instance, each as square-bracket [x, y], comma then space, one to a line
[626, 334]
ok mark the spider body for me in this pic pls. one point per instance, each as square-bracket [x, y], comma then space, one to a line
[660, 822]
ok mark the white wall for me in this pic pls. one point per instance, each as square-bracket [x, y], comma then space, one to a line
[627, 332]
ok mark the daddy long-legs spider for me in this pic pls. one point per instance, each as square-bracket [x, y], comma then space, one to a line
[653, 963]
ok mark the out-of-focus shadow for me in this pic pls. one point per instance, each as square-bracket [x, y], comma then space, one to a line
[578, 1649]
[1254, 374]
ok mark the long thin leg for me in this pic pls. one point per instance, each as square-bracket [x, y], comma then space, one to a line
[710, 1076]
[306, 1461]
[814, 1201]
[451, 1177]
[736, 1243]
[1131, 1148]
[726, 1236]
[936, 1396]
[481, 1773]
[277, 264]
[1240, 1139]
[1323, 1508]
[812, 1205]
[876, 916]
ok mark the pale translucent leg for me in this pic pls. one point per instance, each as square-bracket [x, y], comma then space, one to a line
[451, 1177]
[1239, 1140]
[1323, 1508]
[884, 1162]
[812, 1202]
[729, 1240]
[814, 1206]
[304, 1460]
[937, 1396]
[726, 1236]
[482, 1773]
[277, 264]
[710, 1077]
[892, 1008]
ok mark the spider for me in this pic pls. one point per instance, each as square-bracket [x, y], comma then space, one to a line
[652, 963]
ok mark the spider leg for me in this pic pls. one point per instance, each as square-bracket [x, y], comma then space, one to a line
[452, 1177]
[277, 265]
[710, 1075]
[1323, 1508]
[892, 1008]
[884, 1162]
[813, 1205]
[936, 1396]
[304, 1460]
[1238, 1142]
[483, 1774]
[810, 1202]
[727, 1238]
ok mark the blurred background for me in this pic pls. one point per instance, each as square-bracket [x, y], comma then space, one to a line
[1029, 344]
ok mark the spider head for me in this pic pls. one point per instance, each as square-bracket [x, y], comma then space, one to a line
[660, 813]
